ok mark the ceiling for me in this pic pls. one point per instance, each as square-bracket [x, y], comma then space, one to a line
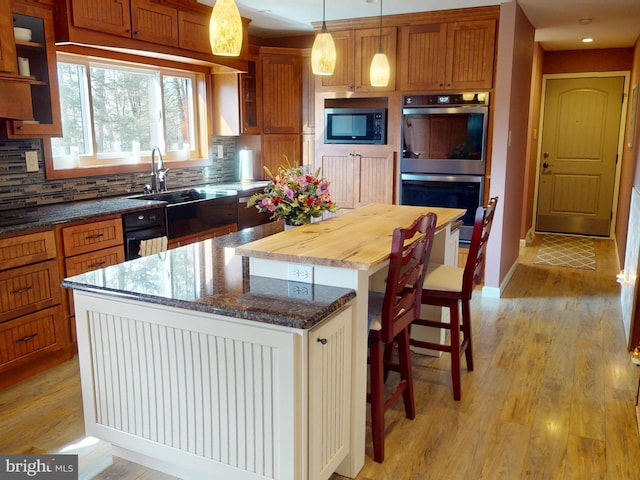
[614, 23]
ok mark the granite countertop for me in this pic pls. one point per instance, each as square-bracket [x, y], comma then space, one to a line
[209, 277]
[23, 220]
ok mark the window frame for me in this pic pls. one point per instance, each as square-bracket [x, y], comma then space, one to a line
[204, 92]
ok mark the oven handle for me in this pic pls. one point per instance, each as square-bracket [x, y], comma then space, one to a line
[421, 177]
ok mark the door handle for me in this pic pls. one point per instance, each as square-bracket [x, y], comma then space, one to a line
[547, 165]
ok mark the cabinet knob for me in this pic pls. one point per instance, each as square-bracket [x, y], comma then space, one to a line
[323, 341]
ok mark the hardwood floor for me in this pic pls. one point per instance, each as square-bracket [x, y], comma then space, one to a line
[552, 396]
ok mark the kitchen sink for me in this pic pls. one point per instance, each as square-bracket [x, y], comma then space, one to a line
[196, 210]
[189, 195]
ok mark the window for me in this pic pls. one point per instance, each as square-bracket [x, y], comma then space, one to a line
[114, 113]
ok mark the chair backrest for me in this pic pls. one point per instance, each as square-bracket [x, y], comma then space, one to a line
[407, 269]
[474, 268]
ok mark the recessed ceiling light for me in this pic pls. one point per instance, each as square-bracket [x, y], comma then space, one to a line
[585, 21]
[587, 40]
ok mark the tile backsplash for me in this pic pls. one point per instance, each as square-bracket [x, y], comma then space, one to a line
[19, 188]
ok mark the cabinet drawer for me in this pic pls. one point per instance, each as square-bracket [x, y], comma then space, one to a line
[27, 335]
[26, 249]
[88, 262]
[27, 289]
[89, 237]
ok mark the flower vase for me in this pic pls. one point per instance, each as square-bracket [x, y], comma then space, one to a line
[288, 225]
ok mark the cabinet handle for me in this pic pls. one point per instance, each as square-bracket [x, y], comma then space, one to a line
[94, 237]
[20, 127]
[136, 32]
[21, 290]
[323, 341]
[96, 265]
[27, 338]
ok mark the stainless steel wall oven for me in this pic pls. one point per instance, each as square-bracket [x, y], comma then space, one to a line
[444, 152]
[453, 191]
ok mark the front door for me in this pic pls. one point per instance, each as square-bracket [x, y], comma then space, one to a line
[577, 170]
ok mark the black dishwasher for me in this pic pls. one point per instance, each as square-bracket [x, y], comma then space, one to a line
[142, 225]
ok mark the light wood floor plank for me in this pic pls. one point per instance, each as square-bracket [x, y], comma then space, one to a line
[552, 395]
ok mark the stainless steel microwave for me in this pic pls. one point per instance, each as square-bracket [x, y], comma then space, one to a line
[355, 125]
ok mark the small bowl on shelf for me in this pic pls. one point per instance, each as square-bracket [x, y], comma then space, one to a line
[22, 34]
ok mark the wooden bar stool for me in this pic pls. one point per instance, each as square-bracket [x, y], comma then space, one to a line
[390, 316]
[452, 287]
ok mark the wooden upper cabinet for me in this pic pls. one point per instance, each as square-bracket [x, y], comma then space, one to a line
[7, 43]
[367, 42]
[194, 31]
[422, 56]
[154, 23]
[108, 16]
[343, 78]
[445, 56]
[43, 79]
[470, 54]
[354, 51]
[139, 19]
[281, 73]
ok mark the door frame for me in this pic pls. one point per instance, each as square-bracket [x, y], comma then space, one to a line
[621, 136]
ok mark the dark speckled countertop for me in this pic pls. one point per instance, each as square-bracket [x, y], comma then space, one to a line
[209, 277]
[22, 220]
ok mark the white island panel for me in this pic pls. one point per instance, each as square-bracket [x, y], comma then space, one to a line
[205, 396]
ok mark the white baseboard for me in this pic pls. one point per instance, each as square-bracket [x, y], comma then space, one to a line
[496, 292]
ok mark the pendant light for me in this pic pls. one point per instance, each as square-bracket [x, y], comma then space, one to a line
[380, 71]
[323, 53]
[225, 29]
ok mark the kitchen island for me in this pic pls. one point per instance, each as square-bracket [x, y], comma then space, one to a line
[192, 366]
[207, 361]
[352, 251]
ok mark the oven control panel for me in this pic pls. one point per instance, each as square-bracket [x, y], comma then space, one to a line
[434, 100]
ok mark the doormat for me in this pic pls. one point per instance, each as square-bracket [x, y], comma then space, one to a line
[565, 251]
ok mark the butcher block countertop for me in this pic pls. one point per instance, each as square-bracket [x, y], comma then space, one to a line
[358, 239]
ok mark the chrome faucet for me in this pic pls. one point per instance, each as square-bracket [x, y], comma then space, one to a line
[160, 172]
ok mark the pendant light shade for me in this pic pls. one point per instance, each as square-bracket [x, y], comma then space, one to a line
[380, 70]
[225, 29]
[323, 53]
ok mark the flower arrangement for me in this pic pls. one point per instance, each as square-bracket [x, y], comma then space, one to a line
[294, 195]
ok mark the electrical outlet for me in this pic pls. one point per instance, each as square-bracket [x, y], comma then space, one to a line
[31, 160]
[220, 151]
[300, 273]
[300, 291]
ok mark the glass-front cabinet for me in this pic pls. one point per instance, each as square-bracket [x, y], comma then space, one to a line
[36, 60]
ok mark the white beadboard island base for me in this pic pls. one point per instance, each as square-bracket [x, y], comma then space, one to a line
[204, 396]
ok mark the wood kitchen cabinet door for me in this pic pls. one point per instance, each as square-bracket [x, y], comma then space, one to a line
[281, 71]
[7, 43]
[376, 178]
[153, 22]
[274, 150]
[445, 56]
[470, 54]
[354, 51]
[108, 16]
[139, 19]
[340, 169]
[422, 56]
[343, 78]
[367, 42]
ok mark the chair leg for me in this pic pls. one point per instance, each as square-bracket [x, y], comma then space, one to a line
[466, 329]
[388, 358]
[377, 399]
[455, 349]
[404, 355]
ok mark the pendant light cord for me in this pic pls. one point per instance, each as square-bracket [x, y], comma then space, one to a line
[324, 24]
[380, 31]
